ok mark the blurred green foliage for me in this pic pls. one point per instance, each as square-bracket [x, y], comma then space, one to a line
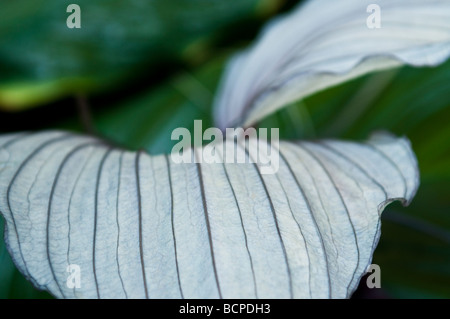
[414, 250]
[41, 59]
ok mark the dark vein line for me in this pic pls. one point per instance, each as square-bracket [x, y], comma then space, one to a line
[208, 227]
[169, 174]
[293, 216]
[272, 208]
[97, 186]
[345, 157]
[70, 205]
[308, 204]
[359, 167]
[118, 226]
[330, 148]
[11, 183]
[325, 170]
[310, 210]
[243, 229]
[15, 139]
[50, 202]
[141, 246]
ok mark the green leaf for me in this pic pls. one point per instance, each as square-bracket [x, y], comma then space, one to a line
[43, 60]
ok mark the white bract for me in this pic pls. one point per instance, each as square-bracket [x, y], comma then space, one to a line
[140, 226]
[327, 42]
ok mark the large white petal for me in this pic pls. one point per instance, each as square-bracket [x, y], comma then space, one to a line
[324, 43]
[142, 226]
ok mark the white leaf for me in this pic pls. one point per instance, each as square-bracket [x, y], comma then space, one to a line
[141, 226]
[324, 43]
